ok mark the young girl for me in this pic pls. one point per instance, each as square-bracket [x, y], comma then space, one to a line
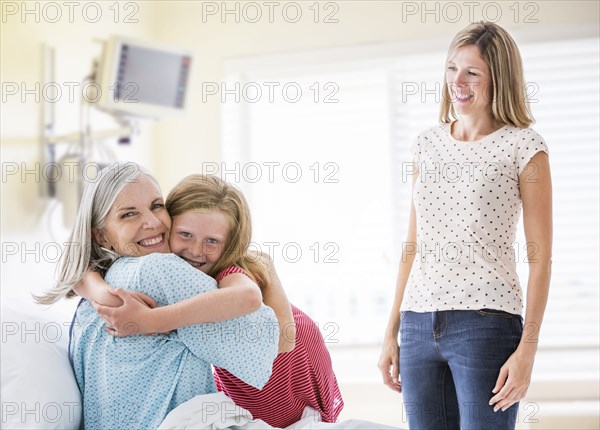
[462, 359]
[211, 230]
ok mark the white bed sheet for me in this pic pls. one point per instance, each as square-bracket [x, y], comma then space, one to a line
[217, 411]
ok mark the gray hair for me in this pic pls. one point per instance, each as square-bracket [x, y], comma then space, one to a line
[81, 251]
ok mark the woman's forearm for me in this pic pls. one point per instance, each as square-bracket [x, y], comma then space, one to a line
[538, 286]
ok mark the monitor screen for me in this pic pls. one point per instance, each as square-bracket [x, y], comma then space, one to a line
[151, 76]
[143, 79]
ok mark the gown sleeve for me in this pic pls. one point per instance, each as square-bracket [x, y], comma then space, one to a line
[246, 345]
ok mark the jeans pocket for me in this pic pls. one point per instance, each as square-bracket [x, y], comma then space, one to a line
[494, 313]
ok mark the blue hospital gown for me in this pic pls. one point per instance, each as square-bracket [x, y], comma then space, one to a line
[135, 381]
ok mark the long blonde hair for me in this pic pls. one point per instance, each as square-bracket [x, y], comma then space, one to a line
[206, 193]
[81, 251]
[501, 54]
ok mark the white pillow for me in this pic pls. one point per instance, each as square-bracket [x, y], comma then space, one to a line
[38, 386]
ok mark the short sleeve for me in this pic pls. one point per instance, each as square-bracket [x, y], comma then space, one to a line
[246, 346]
[231, 269]
[530, 143]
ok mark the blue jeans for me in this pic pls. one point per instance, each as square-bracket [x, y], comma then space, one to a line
[449, 364]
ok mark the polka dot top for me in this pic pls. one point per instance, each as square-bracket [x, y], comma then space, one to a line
[467, 204]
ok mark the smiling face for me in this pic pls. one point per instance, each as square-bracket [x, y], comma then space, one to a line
[200, 238]
[469, 81]
[137, 223]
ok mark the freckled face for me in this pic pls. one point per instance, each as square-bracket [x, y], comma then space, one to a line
[137, 223]
[469, 81]
[200, 238]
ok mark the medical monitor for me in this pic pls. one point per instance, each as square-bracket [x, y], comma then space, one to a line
[142, 78]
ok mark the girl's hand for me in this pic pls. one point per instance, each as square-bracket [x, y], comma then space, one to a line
[513, 380]
[134, 316]
[389, 364]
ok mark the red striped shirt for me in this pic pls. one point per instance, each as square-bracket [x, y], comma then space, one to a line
[302, 377]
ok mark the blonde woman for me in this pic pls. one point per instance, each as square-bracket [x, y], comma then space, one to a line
[464, 360]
